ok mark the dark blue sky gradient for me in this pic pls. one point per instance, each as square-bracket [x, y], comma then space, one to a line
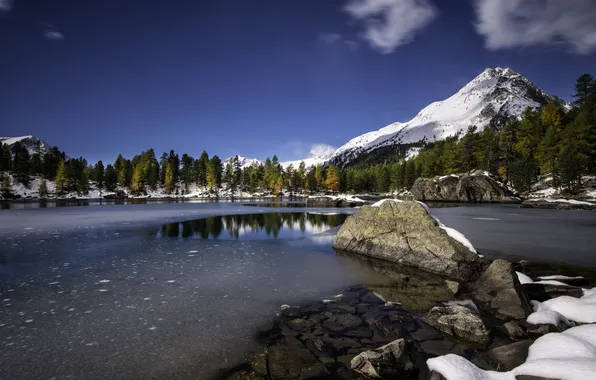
[232, 76]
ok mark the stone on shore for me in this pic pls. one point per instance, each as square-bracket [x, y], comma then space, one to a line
[499, 293]
[405, 233]
[394, 360]
[459, 322]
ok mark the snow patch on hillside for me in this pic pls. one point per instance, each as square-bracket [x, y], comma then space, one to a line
[495, 92]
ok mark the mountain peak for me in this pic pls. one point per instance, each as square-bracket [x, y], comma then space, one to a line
[490, 99]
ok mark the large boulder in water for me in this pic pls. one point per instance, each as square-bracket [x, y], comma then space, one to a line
[465, 188]
[405, 233]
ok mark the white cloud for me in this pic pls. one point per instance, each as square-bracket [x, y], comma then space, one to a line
[352, 45]
[52, 33]
[391, 23]
[6, 5]
[321, 150]
[299, 150]
[519, 23]
[336, 39]
[329, 38]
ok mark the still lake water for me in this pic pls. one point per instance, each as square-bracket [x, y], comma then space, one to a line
[179, 290]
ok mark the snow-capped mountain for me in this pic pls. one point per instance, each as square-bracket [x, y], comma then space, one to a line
[28, 142]
[488, 100]
[319, 154]
[244, 161]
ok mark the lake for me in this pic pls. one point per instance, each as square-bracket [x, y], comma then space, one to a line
[179, 290]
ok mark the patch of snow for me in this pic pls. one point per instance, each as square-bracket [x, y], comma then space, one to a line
[455, 234]
[570, 355]
[574, 309]
[561, 200]
[379, 203]
[560, 277]
[524, 279]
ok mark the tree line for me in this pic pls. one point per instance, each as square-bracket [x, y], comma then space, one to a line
[550, 140]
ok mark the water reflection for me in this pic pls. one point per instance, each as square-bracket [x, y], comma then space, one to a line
[253, 226]
[416, 290]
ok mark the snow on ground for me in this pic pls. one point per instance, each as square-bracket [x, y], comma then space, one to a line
[524, 279]
[575, 309]
[560, 277]
[561, 200]
[570, 355]
[379, 203]
[453, 233]
[546, 280]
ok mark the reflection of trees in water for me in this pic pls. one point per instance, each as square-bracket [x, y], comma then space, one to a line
[237, 225]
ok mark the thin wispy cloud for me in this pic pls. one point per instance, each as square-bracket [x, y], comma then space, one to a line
[329, 38]
[52, 33]
[298, 150]
[337, 39]
[520, 23]
[6, 5]
[391, 23]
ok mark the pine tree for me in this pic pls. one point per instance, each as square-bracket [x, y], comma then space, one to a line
[585, 88]
[6, 190]
[99, 174]
[5, 158]
[36, 163]
[318, 178]
[229, 177]
[20, 161]
[111, 178]
[187, 172]
[83, 183]
[214, 175]
[332, 182]
[201, 169]
[61, 180]
[137, 184]
[169, 180]
[43, 188]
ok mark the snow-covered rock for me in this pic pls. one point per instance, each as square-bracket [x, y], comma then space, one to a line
[492, 97]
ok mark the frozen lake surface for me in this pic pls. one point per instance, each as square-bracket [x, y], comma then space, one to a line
[113, 292]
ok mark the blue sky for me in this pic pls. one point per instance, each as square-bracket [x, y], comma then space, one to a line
[102, 77]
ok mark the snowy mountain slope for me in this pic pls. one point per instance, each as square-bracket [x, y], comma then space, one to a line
[244, 161]
[28, 142]
[488, 100]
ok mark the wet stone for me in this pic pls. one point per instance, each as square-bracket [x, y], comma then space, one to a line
[299, 324]
[425, 333]
[360, 332]
[348, 320]
[437, 347]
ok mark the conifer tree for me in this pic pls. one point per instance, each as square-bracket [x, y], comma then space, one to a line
[169, 180]
[187, 171]
[111, 178]
[318, 178]
[20, 161]
[214, 174]
[332, 182]
[99, 174]
[201, 169]
[43, 188]
[61, 180]
[6, 189]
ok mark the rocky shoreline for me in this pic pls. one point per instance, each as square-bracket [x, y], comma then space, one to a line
[321, 339]
[443, 304]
